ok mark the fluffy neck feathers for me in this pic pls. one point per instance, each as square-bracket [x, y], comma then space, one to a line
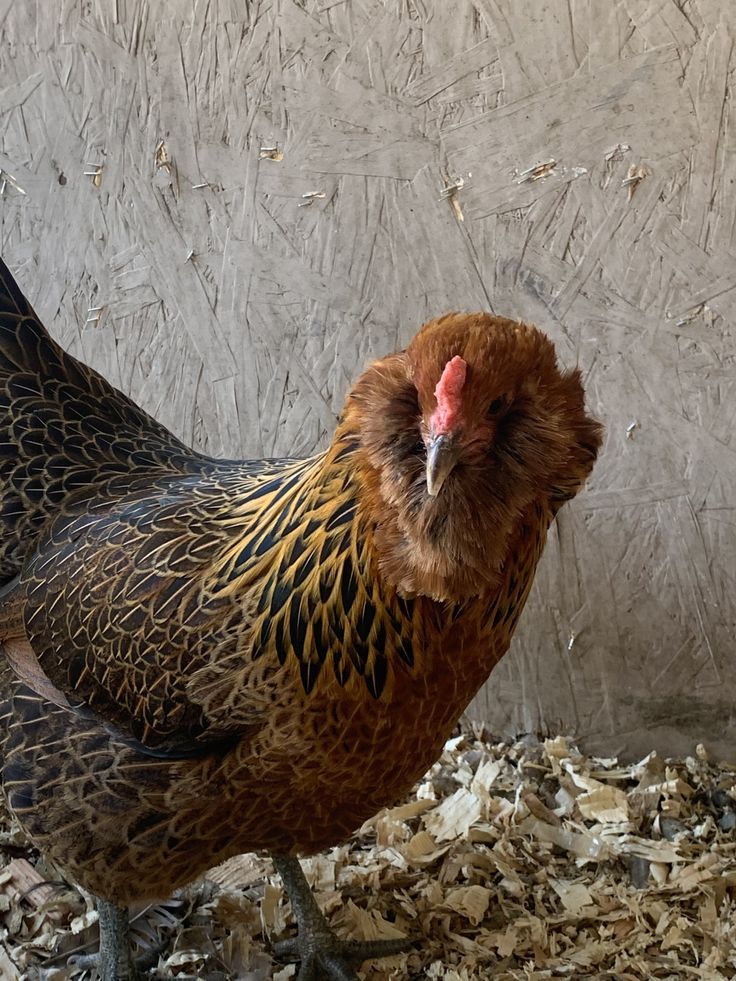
[440, 547]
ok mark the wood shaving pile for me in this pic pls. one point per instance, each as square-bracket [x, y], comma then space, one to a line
[513, 861]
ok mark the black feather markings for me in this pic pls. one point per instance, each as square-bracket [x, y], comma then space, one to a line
[354, 635]
[302, 571]
[351, 638]
[20, 796]
[279, 643]
[344, 515]
[348, 585]
[406, 652]
[375, 677]
[359, 654]
[264, 544]
[308, 671]
[364, 621]
[341, 667]
[261, 645]
[280, 593]
[406, 606]
[298, 629]
[321, 643]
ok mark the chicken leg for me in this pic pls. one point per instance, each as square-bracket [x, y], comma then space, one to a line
[114, 962]
[116, 958]
[322, 954]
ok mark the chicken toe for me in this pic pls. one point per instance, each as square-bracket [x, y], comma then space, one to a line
[321, 953]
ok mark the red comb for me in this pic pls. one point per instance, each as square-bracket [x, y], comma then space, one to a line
[449, 396]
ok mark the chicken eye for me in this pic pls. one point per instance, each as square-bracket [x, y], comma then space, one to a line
[497, 406]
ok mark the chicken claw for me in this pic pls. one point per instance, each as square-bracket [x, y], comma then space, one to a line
[322, 954]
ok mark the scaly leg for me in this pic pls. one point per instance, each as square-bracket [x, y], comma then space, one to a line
[322, 954]
[115, 959]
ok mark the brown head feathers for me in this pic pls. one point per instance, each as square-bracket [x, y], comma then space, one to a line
[515, 434]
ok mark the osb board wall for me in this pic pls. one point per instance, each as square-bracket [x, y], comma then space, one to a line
[229, 207]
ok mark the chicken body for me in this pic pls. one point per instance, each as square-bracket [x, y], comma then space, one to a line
[196, 737]
[209, 657]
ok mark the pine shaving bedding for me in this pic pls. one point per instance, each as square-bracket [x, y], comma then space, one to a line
[512, 861]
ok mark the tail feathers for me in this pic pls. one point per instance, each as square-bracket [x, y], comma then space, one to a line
[66, 434]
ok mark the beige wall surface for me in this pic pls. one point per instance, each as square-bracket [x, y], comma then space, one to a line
[229, 207]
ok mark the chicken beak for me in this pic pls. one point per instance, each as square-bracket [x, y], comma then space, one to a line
[442, 455]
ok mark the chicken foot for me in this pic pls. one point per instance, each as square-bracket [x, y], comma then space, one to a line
[322, 954]
[115, 961]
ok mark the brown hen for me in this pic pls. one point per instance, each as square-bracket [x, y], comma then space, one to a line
[208, 657]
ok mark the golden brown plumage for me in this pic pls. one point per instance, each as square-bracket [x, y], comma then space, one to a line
[210, 657]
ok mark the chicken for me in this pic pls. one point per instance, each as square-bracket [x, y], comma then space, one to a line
[205, 657]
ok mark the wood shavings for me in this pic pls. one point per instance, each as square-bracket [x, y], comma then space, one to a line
[454, 816]
[605, 804]
[692, 314]
[310, 197]
[361, 924]
[574, 895]
[273, 914]
[470, 901]
[449, 193]
[633, 178]
[536, 172]
[95, 172]
[6, 180]
[457, 210]
[161, 158]
[617, 152]
[19, 879]
[94, 315]
[452, 188]
[8, 970]
[270, 153]
[513, 861]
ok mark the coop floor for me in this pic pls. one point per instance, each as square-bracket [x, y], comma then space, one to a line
[525, 860]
